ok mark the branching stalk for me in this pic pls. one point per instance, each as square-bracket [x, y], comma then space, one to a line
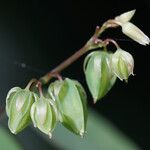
[92, 43]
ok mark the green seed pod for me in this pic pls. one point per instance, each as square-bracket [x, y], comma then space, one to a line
[71, 104]
[43, 115]
[98, 73]
[122, 64]
[18, 104]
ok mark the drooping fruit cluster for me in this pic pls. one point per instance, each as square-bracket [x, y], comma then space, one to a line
[65, 100]
[101, 69]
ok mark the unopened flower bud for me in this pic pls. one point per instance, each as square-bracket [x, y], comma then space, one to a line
[130, 29]
[122, 64]
[125, 17]
[18, 104]
[135, 33]
[43, 115]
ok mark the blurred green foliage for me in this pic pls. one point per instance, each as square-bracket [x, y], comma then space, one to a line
[101, 135]
[8, 142]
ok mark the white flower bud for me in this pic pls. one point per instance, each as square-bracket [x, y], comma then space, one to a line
[125, 17]
[130, 29]
[135, 33]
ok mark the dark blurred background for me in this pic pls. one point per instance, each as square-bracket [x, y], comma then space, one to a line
[35, 36]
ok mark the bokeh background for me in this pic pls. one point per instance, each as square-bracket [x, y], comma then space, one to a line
[35, 36]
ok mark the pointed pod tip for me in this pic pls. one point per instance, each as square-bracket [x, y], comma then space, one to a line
[13, 131]
[82, 134]
[133, 74]
[94, 100]
[50, 135]
[126, 80]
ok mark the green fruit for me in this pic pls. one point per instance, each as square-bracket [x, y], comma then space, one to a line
[43, 115]
[18, 104]
[70, 99]
[99, 76]
[122, 64]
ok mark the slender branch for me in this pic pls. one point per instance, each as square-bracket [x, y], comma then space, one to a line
[107, 41]
[45, 79]
[39, 86]
[92, 43]
[57, 75]
[30, 83]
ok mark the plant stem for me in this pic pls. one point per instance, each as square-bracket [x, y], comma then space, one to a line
[30, 83]
[45, 79]
[89, 45]
[92, 43]
[39, 86]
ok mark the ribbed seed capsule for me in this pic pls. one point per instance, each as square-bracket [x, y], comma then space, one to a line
[98, 73]
[122, 64]
[71, 103]
[18, 104]
[43, 115]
